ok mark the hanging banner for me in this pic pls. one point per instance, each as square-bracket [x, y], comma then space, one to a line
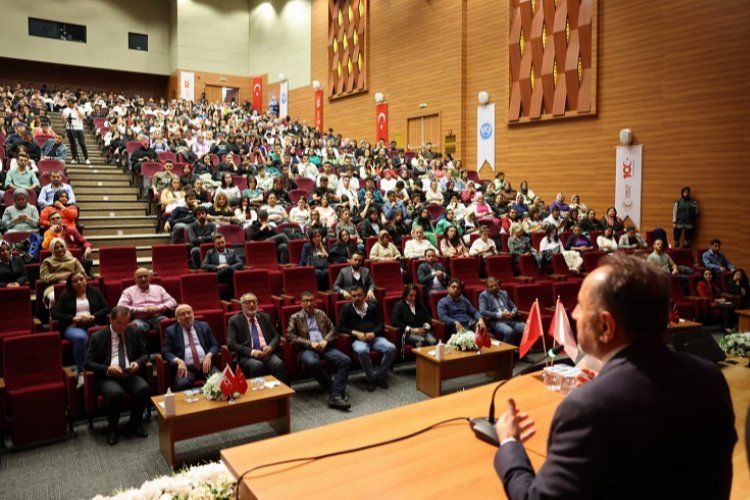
[258, 93]
[187, 85]
[381, 121]
[284, 99]
[318, 113]
[628, 178]
[486, 137]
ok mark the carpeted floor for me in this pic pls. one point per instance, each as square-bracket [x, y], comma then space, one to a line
[83, 465]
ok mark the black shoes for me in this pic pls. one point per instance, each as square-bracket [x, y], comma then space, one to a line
[382, 383]
[338, 403]
[138, 430]
[370, 385]
[112, 437]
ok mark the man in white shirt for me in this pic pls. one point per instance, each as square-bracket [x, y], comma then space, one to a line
[148, 303]
[73, 117]
[47, 194]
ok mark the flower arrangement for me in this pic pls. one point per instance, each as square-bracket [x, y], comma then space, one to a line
[210, 481]
[463, 341]
[736, 343]
[212, 388]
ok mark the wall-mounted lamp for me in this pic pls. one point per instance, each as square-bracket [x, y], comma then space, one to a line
[379, 97]
[626, 136]
[282, 77]
[483, 97]
[316, 84]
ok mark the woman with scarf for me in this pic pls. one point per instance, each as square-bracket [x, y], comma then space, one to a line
[56, 268]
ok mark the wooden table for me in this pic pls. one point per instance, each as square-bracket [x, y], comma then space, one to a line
[205, 417]
[447, 462]
[496, 360]
[744, 316]
[682, 326]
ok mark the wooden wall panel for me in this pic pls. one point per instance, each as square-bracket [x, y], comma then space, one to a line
[676, 76]
[203, 78]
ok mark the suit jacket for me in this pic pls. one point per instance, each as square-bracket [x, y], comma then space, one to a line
[345, 280]
[401, 317]
[65, 308]
[488, 309]
[425, 277]
[174, 342]
[238, 337]
[211, 261]
[299, 334]
[13, 272]
[99, 354]
[350, 320]
[653, 424]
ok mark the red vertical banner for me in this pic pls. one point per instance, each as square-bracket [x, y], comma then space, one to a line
[258, 93]
[381, 121]
[318, 103]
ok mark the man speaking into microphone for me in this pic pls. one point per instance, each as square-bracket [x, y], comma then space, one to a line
[653, 423]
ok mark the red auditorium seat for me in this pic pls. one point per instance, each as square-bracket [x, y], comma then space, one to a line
[466, 269]
[258, 282]
[201, 291]
[15, 316]
[170, 262]
[262, 255]
[45, 166]
[115, 264]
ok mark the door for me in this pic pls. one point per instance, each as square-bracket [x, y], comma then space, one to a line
[423, 129]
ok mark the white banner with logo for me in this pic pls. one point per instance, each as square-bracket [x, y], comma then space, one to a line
[284, 99]
[486, 137]
[187, 85]
[628, 179]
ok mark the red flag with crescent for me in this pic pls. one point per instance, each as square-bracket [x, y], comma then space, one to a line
[318, 103]
[381, 121]
[258, 93]
[227, 382]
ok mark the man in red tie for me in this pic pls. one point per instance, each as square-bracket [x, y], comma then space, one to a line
[191, 347]
[117, 355]
[254, 339]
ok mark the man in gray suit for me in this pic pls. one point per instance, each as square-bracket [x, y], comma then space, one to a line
[254, 339]
[432, 274]
[355, 275]
[652, 424]
[501, 313]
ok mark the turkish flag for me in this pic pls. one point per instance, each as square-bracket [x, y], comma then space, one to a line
[318, 103]
[258, 93]
[381, 121]
[533, 330]
[240, 382]
[227, 382]
[482, 338]
[562, 333]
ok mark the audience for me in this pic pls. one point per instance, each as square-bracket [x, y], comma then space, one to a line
[456, 311]
[502, 314]
[191, 347]
[148, 303]
[413, 319]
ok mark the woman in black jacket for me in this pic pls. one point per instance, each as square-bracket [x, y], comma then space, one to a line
[79, 307]
[12, 270]
[413, 319]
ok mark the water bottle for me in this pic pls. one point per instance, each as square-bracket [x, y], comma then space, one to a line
[170, 406]
[440, 351]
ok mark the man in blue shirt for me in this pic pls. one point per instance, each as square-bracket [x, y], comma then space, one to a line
[715, 260]
[456, 311]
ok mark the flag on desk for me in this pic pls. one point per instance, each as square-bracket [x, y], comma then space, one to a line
[560, 330]
[533, 330]
[482, 338]
[227, 383]
[240, 382]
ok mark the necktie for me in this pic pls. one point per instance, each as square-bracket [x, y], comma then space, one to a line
[254, 334]
[121, 350]
[193, 350]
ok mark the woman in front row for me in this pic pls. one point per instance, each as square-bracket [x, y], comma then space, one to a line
[79, 307]
[413, 319]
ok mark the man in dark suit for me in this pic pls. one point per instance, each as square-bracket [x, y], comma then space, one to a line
[652, 424]
[223, 261]
[364, 322]
[432, 274]
[501, 313]
[190, 345]
[355, 275]
[254, 339]
[117, 355]
[313, 334]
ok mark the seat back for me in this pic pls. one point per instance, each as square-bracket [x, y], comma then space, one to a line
[255, 281]
[170, 260]
[201, 291]
[466, 269]
[591, 259]
[233, 234]
[305, 184]
[8, 197]
[296, 194]
[31, 360]
[167, 156]
[334, 270]
[261, 255]
[682, 257]
[433, 301]
[117, 262]
[388, 304]
[46, 178]
[50, 166]
[527, 266]
[568, 293]
[296, 280]
[15, 310]
[387, 275]
[525, 295]
[295, 250]
[500, 267]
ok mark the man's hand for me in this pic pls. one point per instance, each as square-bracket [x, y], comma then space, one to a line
[369, 335]
[133, 367]
[371, 295]
[359, 336]
[507, 315]
[222, 266]
[257, 354]
[514, 424]
[459, 327]
[207, 363]
[267, 351]
[586, 376]
[13, 285]
[345, 294]
[481, 323]
[87, 252]
[167, 227]
[181, 369]
[150, 310]
[114, 371]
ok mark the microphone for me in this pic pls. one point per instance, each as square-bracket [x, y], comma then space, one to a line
[484, 428]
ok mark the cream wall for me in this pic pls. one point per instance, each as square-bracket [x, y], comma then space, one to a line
[280, 40]
[211, 36]
[107, 23]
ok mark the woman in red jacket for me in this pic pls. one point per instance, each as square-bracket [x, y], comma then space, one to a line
[718, 306]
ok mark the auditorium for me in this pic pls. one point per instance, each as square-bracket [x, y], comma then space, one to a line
[234, 234]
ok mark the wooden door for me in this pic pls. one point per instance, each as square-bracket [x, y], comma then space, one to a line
[213, 93]
[423, 129]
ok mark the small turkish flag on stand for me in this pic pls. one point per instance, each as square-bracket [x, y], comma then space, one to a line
[482, 338]
[240, 382]
[562, 333]
[227, 383]
[533, 330]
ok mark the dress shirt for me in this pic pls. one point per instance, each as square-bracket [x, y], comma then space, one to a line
[198, 347]
[362, 312]
[715, 261]
[261, 338]
[47, 194]
[116, 349]
[137, 299]
[312, 327]
[480, 246]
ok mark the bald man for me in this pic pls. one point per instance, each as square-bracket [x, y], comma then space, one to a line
[148, 303]
[652, 424]
[191, 347]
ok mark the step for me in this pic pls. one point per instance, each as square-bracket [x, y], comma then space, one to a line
[119, 229]
[112, 212]
[113, 205]
[128, 240]
[106, 184]
[105, 195]
[78, 168]
[111, 190]
[98, 176]
[93, 221]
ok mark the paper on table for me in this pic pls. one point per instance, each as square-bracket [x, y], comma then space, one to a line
[272, 384]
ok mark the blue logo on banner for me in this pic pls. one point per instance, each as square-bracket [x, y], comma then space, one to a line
[283, 98]
[485, 131]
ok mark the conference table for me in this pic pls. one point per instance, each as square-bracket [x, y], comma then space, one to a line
[445, 462]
